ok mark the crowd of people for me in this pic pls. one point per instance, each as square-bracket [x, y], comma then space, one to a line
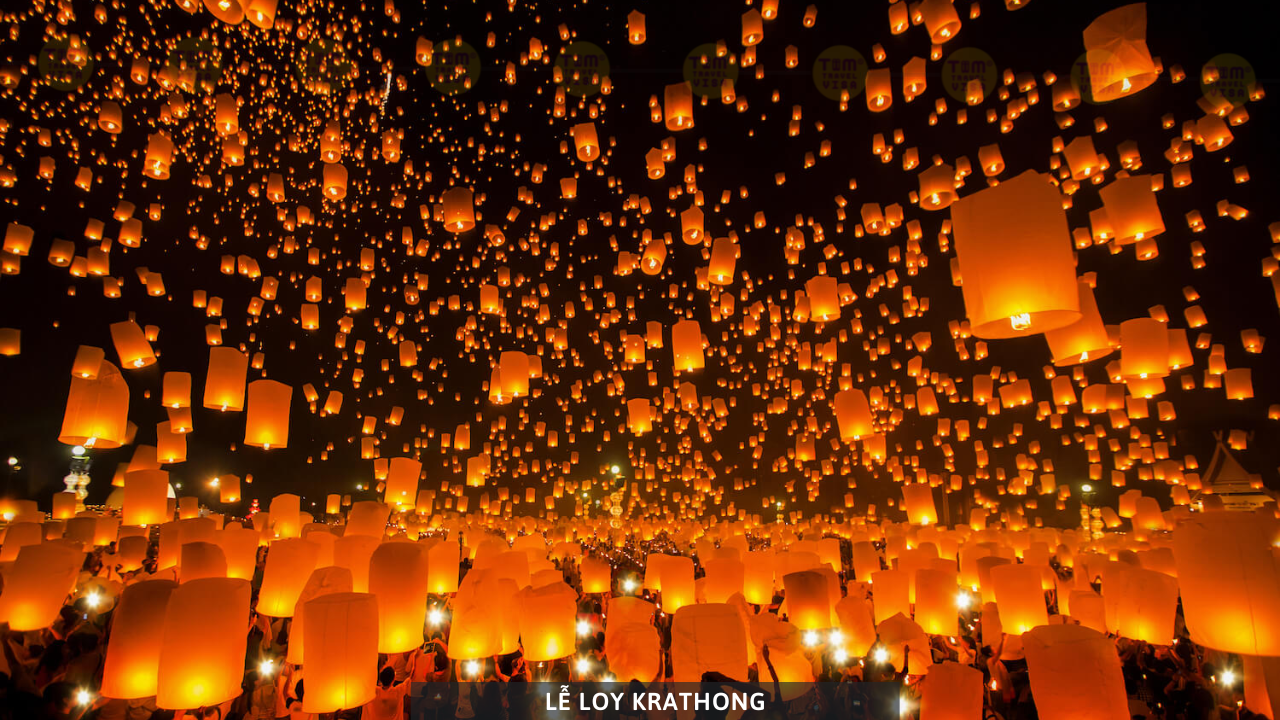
[55, 673]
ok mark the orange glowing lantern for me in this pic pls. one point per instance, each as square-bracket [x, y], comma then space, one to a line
[137, 633]
[203, 647]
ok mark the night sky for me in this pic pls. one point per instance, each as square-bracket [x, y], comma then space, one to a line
[274, 73]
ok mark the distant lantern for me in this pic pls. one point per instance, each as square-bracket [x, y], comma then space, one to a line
[203, 647]
[1116, 49]
[341, 631]
[1014, 248]
[585, 141]
[266, 424]
[133, 653]
[97, 411]
[459, 210]
[691, 225]
[686, 345]
[226, 114]
[677, 106]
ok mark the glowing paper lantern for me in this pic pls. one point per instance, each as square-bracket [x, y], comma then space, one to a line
[917, 500]
[708, 638]
[367, 518]
[442, 567]
[1019, 596]
[1132, 209]
[266, 424]
[634, 651]
[1230, 582]
[285, 516]
[936, 601]
[853, 413]
[686, 345]
[289, 564]
[1014, 248]
[203, 647]
[201, 560]
[323, 581]
[225, 380]
[1144, 348]
[758, 577]
[137, 633]
[131, 345]
[725, 577]
[1083, 340]
[548, 622]
[398, 578]
[342, 631]
[402, 481]
[1075, 674]
[678, 107]
[1147, 604]
[585, 141]
[146, 495]
[808, 600]
[240, 548]
[36, 584]
[459, 210]
[951, 691]
[1116, 49]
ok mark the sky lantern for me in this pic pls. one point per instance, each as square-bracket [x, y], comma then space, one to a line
[691, 225]
[1015, 251]
[635, 27]
[935, 600]
[266, 424]
[937, 186]
[686, 345]
[240, 548]
[1144, 348]
[585, 141]
[261, 13]
[1075, 673]
[1229, 582]
[1019, 596]
[708, 638]
[1148, 602]
[677, 582]
[97, 409]
[459, 210]
[548, 622]
[224, 385]
[1116, 49]
[724, 255]
[1084, 340]
[951, 691]
[808, 600]
[289, 564]
[228, 11]
[341, 629]
[131, 345]
[201, 560]
[752, 27]
[402, 481]
[677, 106]
[146, 494]
[639, 419]
[917, 500]
[352, 552]
[442, 567]
[110, 117]
[1132, 209]
[853, 414]
[133, 653]
[334, 181]
[398, 577]
[824, 298]
[202, 651]
[940, 20]
[36, 584]
[159, 156]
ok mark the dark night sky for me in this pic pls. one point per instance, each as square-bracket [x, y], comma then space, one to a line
[742, 149]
